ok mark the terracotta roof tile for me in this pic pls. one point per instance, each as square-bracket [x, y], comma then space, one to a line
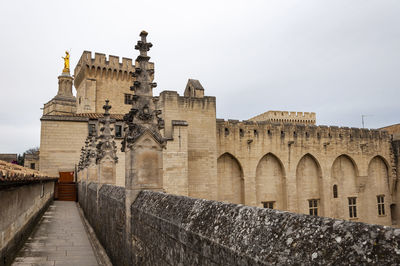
[98, 115]
[15, 173]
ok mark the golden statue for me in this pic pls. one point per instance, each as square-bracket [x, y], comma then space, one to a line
[66, 62]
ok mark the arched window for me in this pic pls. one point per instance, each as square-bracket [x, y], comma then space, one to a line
[335, 192]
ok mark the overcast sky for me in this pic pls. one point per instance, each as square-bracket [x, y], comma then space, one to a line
[338, 58]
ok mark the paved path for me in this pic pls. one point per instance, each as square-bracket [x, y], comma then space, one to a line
[59, 239]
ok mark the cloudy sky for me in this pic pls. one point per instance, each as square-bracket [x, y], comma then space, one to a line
[338, 58]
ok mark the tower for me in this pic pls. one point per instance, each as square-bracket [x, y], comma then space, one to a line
[64, 103]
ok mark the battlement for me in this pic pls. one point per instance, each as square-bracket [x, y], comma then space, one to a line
[100, 66]
[100, 60]
[285, 116]
[249, 128]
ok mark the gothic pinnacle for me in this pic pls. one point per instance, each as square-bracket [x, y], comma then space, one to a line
[107, 107]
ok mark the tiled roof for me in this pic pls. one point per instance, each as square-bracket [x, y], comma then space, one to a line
[97, 116]
[15, 173]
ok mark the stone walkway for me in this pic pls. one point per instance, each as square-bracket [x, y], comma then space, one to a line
[59, 239]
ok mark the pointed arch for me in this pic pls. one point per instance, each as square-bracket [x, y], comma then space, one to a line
[98, 72]
[230, 179]
[271, 181]
[378, 171]
[93, 71]
[309, 184]
[344, 174]
[377, 192]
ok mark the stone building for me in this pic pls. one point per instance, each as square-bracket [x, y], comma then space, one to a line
[32, 161]
[277, 159]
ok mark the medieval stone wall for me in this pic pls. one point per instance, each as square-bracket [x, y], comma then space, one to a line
[289, 165]
[104, 207]
[178, 230]
[60, 144]
[21, 208]
[286, 117]
[98, 79]
[199, 113]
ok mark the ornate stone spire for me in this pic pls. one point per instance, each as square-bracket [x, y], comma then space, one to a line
[91, 151]
[143, 117]
[106, 145]
[80, 164]
[86, 157]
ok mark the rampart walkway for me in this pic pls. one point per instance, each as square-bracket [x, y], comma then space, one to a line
[59, 239]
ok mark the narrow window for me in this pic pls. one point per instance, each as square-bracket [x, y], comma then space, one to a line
[269, 132]
[92, 130]
[32, 165]
[118, 131]
[255, 133]
[381, 204]
[241, 132]
[128, 98]
[352, 207]
[268, 204]
[335, 192]
[313, 206]
[226, 131]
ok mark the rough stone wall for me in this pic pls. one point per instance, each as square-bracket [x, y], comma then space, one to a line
[199, 113]
[177, 230]
[104, 208]
[309, 161]
[21, 207]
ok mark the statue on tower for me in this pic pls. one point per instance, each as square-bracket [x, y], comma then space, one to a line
[66, 62]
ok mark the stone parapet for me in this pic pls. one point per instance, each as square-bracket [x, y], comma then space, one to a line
[302, 130]
[177, 230]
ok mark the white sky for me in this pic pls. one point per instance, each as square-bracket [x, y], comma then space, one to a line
[338, 58]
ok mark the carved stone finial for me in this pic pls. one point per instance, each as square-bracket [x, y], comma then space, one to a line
[107, 107]
[91, 152]
[106, 145]
[143, 115]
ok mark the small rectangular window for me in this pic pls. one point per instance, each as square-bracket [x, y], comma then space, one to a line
[381, 204]
[92, 130]
[32, 165]
[313, 206]
[118, 131]
[128, 98]
[268, 204]
[352, 207]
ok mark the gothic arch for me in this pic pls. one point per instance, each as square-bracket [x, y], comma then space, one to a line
[378, 178]
[93, 71]
[98, 72]
[344, 174]
[271, 181]
[378, 170]
[309, 183]
[230, 179]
